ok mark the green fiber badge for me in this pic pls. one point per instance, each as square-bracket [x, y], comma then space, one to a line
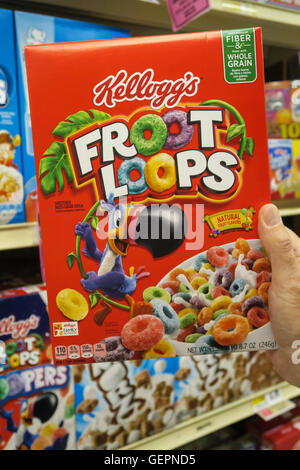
[239, 55]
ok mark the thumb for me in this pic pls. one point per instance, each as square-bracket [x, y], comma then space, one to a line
[276, 240]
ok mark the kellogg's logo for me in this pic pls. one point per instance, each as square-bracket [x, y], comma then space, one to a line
[142, 86]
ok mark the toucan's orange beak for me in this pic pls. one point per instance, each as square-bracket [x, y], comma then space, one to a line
[118, 237]
[27, 416]
[117, 244]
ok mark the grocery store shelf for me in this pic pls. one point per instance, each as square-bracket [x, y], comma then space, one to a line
[16, 236]
[207, 423]
[280, 27]
[288, 207]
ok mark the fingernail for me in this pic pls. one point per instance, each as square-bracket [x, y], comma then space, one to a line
[271, 215]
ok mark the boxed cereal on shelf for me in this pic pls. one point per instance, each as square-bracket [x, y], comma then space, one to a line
[11, 172]
[284, 437]
[284, 156]
[296, 167]
[283, 109]
[281, 163]
[147, 178]
[36, 399]
[37, 409]
[32, 29]
[120, 403]
[24, 328]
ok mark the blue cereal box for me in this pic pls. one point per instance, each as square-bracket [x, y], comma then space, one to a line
[37, 409]
[34, 29]
[24, 328]
[11, 178]
[281, 162]
[36, 399]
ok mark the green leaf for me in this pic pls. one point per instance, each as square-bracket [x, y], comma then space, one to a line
[234, 130]
[51, 168]
[94, 298]
[250, 146]
[94, 221]
[40, 342]
[70, 259]
[76, 121]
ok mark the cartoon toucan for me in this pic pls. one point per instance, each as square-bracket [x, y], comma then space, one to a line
[130, 225]
[41, 407]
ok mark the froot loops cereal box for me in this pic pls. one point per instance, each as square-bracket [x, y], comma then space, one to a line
[152, 164]
[24, 328]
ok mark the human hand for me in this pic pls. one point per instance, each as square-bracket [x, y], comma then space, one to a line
[283, 249]
[83, 229]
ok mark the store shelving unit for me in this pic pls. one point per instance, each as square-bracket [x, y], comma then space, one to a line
[210, 422]
[19, 236]
[288, 207]
[280, 26]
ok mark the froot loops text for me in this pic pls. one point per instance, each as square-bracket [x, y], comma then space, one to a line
[157, 155]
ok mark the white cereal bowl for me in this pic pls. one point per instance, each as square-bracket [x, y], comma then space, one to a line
[262, 338]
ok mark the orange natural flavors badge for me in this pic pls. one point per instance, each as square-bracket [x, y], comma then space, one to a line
[230, 220]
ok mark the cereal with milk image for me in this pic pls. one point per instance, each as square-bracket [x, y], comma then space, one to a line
[219, 299]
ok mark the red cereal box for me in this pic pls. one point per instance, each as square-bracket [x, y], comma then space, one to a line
[152, 163]
[284, 437]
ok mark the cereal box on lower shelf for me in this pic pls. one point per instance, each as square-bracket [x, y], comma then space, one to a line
[284, 437]
[24, 328]
[120, 403]
[152, 163]
[37, 410]
[36, 398]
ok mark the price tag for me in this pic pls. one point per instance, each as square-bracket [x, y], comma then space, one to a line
[157, 2]
[275, 410]
[183, 12]
[269, 399]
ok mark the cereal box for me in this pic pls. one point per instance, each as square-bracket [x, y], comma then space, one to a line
[281, 164]
[120, 403]
[296, 167]
[36, 398]
[11, 172]
[284, 437]
[24, 328]
[284, 155]
[283, 109]
[151, 174]
[32, 29]
[37, 410]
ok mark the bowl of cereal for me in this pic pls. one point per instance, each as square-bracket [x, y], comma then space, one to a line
[11, 192]
[220, 298]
